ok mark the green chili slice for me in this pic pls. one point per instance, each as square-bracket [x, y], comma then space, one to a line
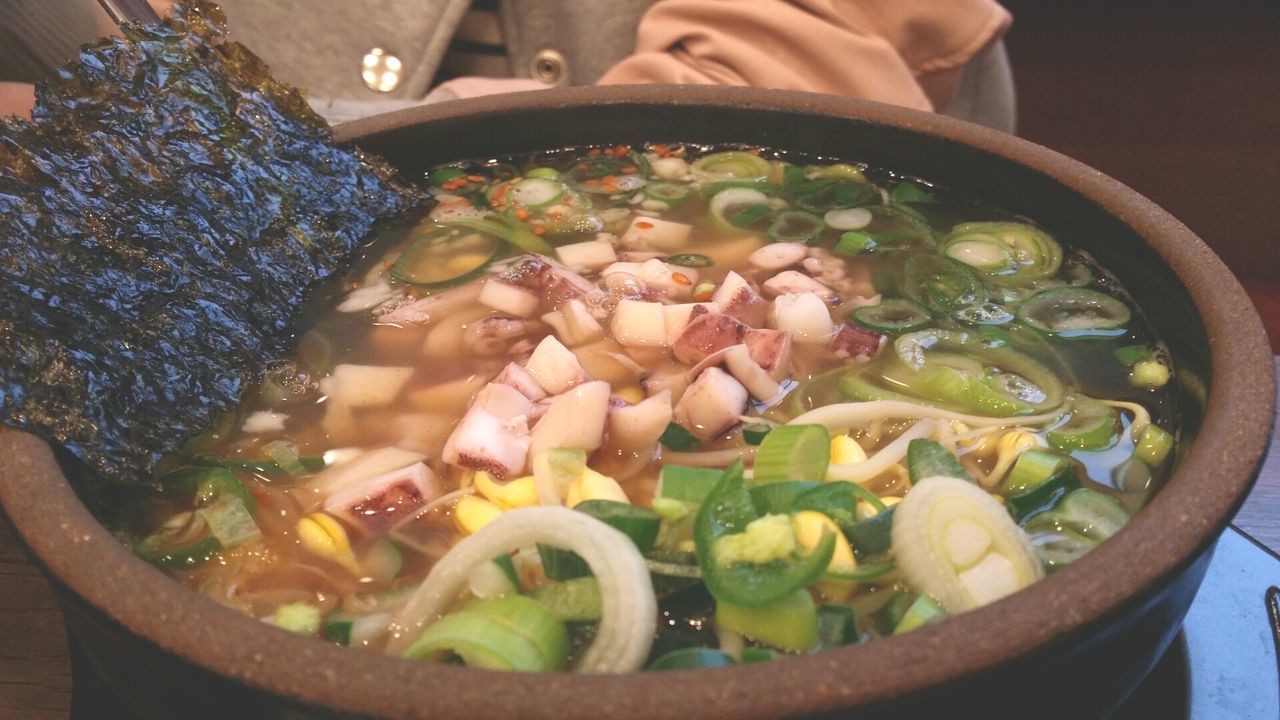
[1007, 253]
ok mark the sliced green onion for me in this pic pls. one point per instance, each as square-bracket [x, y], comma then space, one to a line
[756, 654]
[677, 438]
[669, 193]
[871, 537]
[443, 260]
[941, 283]
[1075, 313]
[731, 165]
[735, 208]
[1034, 254]
[754, 433]
[793, 452]
[285, 454]
[354, 630]
[926, 458]
[795, 226]
[535, 192]
[865, 572]
[824, 194]
[687, 484]
[837, 626]
[298, 617]
[1081, 520]
[892, 316]
[1131, 475]
[1154, 444]
[383, 561]
[789, 624]
[212, 483]
[909, 192]
[855, 243]
[921, 612]
[779, 498]
[182, 542]
[1092, 426]
[987, 313]
[510, 632]
[982, 253]
[639, 524]
[514, 233]
[696, 658]
[1131, 355]
[1037, 481]
[956, 543]
[692, 260]
[230, 522]
[576, 600]
[848, 218]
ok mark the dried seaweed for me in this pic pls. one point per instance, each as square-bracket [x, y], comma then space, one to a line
[161, 219]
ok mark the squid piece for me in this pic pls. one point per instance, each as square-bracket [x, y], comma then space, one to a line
[554, 282]
[853, 341]
[791, 282]
[378, 504]
[753, 377]
[429, 308]
[639, 324]
[706, 333]
[515, 376]
[637, 427]
[507, 298]
[575, 419]
[712, 404]
[804, 315]
[484, 441]
[736, 298]
[771, 349]
[778, 256]
[671, 280]
[666, 378]
[555, 367]
[504, 402]
[491, 335]
[574, 324]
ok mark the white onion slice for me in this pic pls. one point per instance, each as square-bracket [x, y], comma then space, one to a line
[626, 625]
[843, 415]
[891, 454]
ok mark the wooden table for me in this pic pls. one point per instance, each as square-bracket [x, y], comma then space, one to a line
[35, 668]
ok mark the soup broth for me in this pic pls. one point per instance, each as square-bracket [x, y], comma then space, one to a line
[618, 408]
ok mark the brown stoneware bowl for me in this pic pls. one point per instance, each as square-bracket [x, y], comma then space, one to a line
[1071, 646]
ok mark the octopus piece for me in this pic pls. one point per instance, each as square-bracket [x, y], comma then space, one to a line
[554, 282]
[791, 282]
[637, 427]
[575, 419]
[484, 441]
[712, 404]
[667, 378]
[509, 299]
[771, 350]
[515, 376]
[555, 367]
[492, 335]
[378, 504]
[736, 298]
[706, 333]
[853, 341]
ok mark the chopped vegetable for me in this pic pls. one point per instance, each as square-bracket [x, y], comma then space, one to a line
[298, 617]
[927, 458]
[789, 624]
[509, 632]
[1091, 426]
[1032, 254]
[1075, 313]
[1153, 446]
[892, 316]
[956, 543]
[447, 258]
[793, 452]
[1150, 374]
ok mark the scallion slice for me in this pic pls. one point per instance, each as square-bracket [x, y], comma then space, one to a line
[855, 243]
[677, 438]
[793, 452]
[692, 260]
[669, 193]
[892, 316]
[795, 226]
[510, 632]
[1092, 426]
[731, 165]
[686, 484]
[1075, 313]
[926, 458]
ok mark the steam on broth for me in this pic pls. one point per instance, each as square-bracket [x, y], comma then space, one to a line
[621, 408]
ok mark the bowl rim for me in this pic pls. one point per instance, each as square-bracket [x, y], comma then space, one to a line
[1177, 526]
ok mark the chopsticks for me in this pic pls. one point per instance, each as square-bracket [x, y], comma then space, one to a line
[138, 11]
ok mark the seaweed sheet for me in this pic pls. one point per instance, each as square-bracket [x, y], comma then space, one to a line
[161, 219]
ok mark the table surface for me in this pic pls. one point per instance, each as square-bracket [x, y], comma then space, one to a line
[35, 668]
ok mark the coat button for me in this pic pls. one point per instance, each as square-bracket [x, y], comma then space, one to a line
[380, 70]
[549, 67]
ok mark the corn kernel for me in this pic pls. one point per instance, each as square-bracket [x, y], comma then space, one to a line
[809, 525]
[594, 486]
[1015, 441]
[323, 536]
[632, 394]
[472, 513]
[520, 492]
[845, 449]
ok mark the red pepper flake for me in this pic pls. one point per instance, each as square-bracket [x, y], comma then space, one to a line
[566, 199]
[681, 279]
[475, 178]
[643, 224]
[538, 230]
[629, 170]
[582, 167]
[522, 214]
[661, 150]
[593, 152]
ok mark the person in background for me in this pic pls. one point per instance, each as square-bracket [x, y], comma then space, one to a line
[360, 58]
